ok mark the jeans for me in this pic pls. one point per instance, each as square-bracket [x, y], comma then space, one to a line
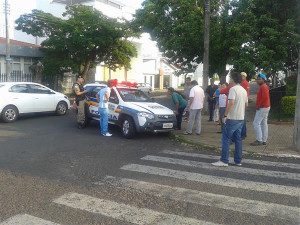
[195, 114]
[244, 129]
[260, 124]
[222, 113]
[179, 117]
[211, 107]
[232, 131]
[103, 120]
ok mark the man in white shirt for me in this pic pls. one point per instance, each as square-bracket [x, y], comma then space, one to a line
[233, 121]
[195, 106]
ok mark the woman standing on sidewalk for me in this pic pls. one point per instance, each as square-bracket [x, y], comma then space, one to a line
[180, 105]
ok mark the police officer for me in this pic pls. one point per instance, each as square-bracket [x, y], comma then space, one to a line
[80, 100]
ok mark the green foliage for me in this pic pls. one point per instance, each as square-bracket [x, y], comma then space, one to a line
[84, 38]
[288, 104]
[263, 33]
[252, 35]
[177, 26]
[291, 86]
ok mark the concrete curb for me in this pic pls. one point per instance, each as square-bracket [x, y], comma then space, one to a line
[200, 146]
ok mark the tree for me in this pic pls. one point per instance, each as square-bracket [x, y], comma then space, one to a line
[84, 38]
[262, 31]
[178, 28]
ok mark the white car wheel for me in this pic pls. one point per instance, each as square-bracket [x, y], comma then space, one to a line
[61, 108]
[10, 114]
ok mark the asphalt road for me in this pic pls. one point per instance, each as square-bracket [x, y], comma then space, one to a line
[53, 173]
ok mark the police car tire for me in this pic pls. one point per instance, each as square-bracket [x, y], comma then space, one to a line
[128, 121]
[10, 114]
[61, 109]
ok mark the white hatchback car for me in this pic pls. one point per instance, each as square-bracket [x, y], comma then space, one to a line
[25, 97]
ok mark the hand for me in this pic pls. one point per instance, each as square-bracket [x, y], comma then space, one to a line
[224, 120]
[176, 112]
[85, 91]
[258, 108]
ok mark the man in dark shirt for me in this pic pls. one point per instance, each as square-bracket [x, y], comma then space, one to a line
[210, 90]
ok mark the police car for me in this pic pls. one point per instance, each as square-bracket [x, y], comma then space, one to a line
[131, 109]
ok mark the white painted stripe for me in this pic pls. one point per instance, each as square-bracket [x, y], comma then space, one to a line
[250, 161]
[222, 181]
[208, 199]
[235, 169]
[124, 212]
[25, 219]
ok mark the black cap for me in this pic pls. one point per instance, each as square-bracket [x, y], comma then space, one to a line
[80, 77]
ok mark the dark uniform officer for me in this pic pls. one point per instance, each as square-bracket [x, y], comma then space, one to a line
[80, 100]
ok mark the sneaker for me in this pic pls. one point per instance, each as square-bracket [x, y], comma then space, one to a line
[264, 143]
[186, 133]
[107, 135]
[219, 164]
[197, 133]
[256, 143]
[237, 164]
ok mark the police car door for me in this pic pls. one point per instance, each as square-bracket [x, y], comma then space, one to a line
[113, 103]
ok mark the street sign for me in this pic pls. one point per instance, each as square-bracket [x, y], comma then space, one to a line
[8, 59]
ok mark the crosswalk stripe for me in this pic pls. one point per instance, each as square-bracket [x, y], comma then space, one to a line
[250, 161]
[222, 181]
[25, 219]
[124, 212]
[208, 199]
[202, 165]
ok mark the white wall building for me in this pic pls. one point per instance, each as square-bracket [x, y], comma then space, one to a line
[146, 67]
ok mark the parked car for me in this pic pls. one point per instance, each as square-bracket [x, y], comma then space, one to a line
[130, 109]
[18, 98]
[144, 87]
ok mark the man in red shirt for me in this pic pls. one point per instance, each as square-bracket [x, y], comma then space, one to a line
[262, 111]
[245, 85]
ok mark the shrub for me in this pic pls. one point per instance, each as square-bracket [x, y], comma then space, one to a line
[291, 86]
[288, 104]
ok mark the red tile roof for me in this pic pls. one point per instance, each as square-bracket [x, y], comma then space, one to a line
[20, 43]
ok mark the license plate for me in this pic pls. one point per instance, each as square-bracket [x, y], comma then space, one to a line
[168, 125]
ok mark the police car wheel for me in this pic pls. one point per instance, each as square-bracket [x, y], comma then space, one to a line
[61, 108]
[128, 127]
[10, 114]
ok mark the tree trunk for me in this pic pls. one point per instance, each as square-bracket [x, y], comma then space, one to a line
[86, 69]
[223, 74]
[296, 143]
[206, 49]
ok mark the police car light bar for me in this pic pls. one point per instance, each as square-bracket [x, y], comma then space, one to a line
[124, 83]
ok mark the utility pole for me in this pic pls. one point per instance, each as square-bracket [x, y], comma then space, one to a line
[8, 59]
[206, 46]
[296, 143]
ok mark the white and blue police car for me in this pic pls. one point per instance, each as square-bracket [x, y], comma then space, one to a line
[130, 109]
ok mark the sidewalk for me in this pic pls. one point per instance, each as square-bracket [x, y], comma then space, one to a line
[279, 141]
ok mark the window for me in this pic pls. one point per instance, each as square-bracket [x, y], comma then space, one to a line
[27, 64]
[133, 95]
[95, 91]
[19, 88]
[113, 98]
[16, 64]
[37, 89]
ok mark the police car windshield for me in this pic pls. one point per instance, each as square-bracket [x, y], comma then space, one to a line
[133, 95]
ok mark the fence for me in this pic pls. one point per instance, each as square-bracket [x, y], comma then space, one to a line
[17, 76]
[276, 94]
